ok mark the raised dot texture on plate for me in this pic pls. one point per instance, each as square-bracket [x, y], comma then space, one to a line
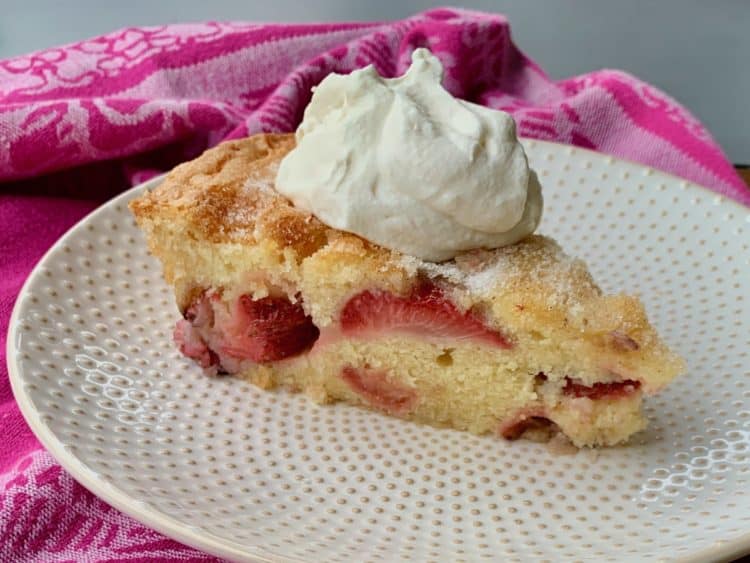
[248, 474]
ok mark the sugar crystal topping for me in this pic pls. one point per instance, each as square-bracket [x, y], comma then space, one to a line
[485, 272]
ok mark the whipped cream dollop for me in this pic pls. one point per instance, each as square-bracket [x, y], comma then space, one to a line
[402, 163]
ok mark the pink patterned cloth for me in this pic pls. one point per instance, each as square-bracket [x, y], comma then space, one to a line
[82, 122]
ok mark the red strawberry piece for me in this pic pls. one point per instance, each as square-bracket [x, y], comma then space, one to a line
[611, 390]
[268, 329]
[191, 344]
[379, 390]
[425, 312]
[531, 418]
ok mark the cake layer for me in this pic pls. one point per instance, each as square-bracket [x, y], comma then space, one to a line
[456, 372]
[468, 387]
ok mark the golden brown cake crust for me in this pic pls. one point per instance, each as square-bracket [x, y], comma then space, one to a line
[221, 196]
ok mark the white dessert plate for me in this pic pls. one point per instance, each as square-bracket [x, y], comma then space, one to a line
[269, 476]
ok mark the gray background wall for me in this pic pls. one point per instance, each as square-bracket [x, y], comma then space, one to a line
[696, 50]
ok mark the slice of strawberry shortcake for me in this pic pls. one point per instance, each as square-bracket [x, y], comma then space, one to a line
[512, 340]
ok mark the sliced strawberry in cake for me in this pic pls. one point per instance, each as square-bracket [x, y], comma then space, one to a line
[267, 330]
[379, 390]
[425, 312]
[252, 331]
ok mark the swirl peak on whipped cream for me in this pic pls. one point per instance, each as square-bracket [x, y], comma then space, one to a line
[404, 164]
